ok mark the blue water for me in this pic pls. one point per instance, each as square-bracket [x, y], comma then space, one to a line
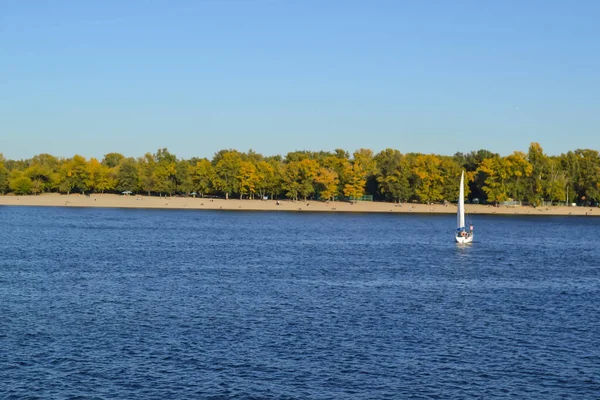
[157, 304]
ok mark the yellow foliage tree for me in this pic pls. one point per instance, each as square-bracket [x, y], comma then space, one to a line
[329, 181]
[202, 176]
[247, 178]
[497, 170]
[356, 181]
[429, 184]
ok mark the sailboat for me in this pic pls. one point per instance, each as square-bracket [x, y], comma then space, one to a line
[462, 235]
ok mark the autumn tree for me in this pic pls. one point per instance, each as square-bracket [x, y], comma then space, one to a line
[202, 176]
[497, 171]
[536, 181]
[227, 171]
[247, 178]
[291, 179]
[339, 162]
[357, 172]
[356, 177]
[520, 169]
[328, 182]
[308, 174]
[557, 181]
[429, 180]
[298, 177]
[73, 175]
[93, 174]
[389, 175]
[147, 165]
[471, 162]
[3, 176]
[40, 171]
[266, 180]
[164, 175]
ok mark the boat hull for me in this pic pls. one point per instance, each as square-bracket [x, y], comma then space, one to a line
[464, 239]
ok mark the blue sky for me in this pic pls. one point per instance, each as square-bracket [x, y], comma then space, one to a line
[92, 77]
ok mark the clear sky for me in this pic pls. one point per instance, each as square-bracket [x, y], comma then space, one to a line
[197, 76]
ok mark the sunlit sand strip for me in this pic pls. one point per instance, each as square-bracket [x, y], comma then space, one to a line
[139, 201]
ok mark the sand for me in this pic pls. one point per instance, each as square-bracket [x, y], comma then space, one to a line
[139, 201]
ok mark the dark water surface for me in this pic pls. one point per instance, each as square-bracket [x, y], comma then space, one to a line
[157, 304]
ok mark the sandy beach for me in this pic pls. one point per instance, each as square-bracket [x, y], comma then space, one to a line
[139, 201]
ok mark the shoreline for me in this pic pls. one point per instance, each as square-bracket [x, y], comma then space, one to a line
[190, 203]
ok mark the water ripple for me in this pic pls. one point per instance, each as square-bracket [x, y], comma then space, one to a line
[151, 304]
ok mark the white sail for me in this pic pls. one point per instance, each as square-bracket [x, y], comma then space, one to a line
[462, 235]
[460, 213]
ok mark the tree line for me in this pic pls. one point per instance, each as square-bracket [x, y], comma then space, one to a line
[389, 175]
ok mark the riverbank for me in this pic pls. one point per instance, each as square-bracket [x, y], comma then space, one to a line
[138, 201]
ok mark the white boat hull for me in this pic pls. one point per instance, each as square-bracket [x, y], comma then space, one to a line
[464, 239]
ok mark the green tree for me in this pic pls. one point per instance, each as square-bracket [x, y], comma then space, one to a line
[46, 166]
[164, 175]
[271, 176]
[73, 175]
[308, 174]
[557, 181]
[40, 171]
[202, 176]
[107, 180]
[112, 160]
[128, 175]
[392, 175]
[588, 175]
[450, 172]
[183, 177]
[37, 186]
[340, 164]
[3, 176]
[227, 171]
[292, 179]
[520, 170]
[163, 155]
[265, 174]
[147, 165]
[252, 156]
[357, 172]
[470, 162]
[80, 172]
[537, 180]
[19, 183]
